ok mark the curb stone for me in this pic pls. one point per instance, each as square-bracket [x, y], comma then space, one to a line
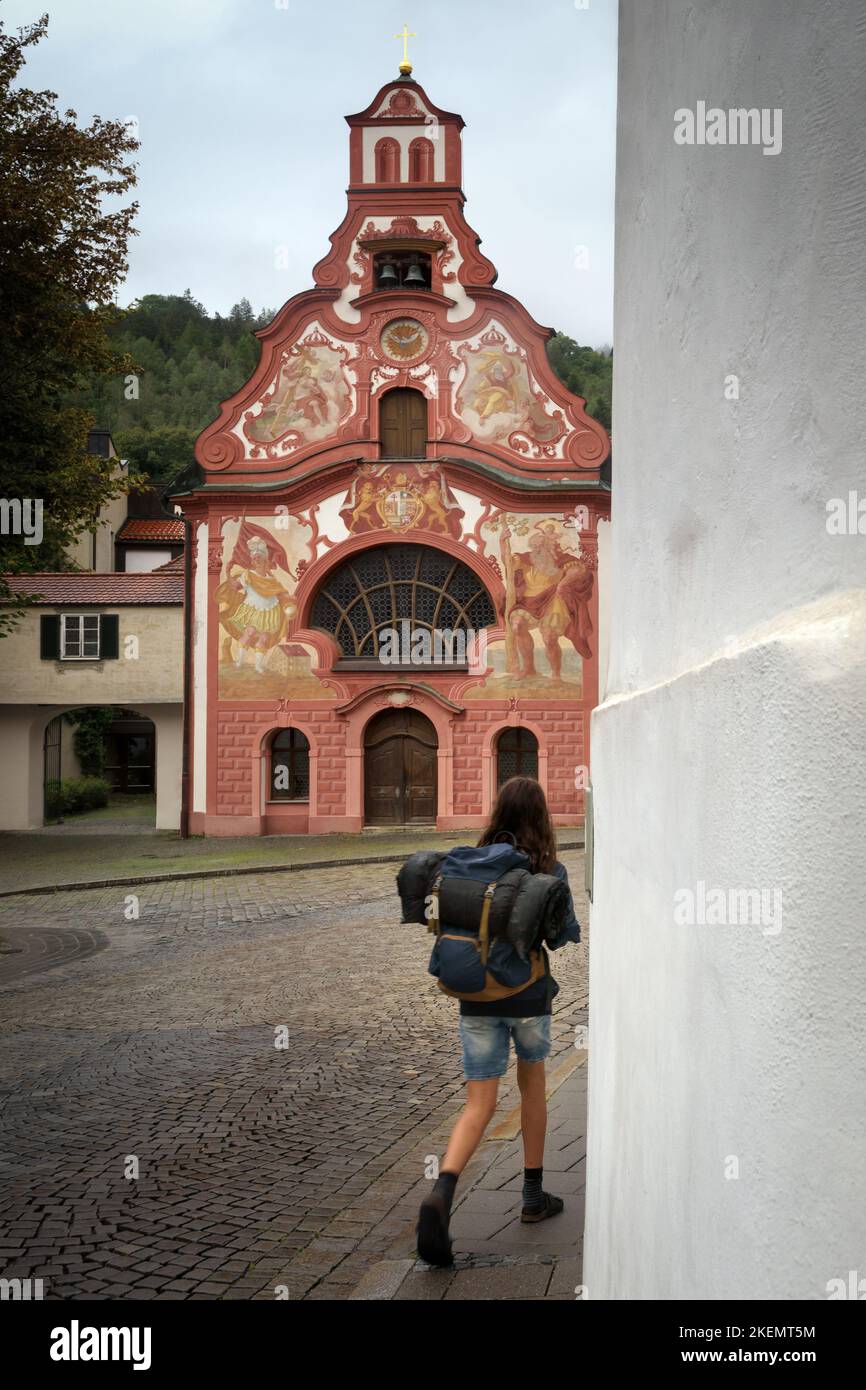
[182, 875]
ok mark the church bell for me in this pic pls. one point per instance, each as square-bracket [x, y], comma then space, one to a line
[415, 277]
[387, 276]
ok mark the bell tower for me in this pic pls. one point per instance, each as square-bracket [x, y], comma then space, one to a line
[404, 228]
[402, 139]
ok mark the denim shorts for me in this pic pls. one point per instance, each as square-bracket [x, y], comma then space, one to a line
[485, 1043]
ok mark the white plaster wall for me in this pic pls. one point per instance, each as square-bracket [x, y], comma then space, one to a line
[603, 580]
[168, 722]
[731, 742]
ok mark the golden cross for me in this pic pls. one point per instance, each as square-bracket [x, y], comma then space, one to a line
[405, 66]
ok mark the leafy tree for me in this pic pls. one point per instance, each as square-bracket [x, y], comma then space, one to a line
[91, 726]
[586, 371]
[62, 256]
[241, 312]
[160, 454]
[187, 362]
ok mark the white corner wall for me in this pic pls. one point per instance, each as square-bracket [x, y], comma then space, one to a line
[727, 1092]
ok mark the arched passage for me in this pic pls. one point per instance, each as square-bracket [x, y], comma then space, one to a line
[23, 748]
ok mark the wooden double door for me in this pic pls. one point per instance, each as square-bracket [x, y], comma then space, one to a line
[400, 766]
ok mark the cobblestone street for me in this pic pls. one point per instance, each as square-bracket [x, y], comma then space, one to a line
[150, 1042]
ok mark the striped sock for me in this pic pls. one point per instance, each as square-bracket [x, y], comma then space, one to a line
[533, 1192]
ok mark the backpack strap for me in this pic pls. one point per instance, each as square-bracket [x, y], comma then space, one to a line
[484, 928]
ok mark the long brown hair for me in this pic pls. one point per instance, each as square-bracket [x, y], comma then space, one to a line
[521, 814]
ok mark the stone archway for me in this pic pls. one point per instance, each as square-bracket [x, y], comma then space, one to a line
[22, 747]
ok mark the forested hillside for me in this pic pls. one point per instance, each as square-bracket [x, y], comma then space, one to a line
[586, 371]
[189, 361]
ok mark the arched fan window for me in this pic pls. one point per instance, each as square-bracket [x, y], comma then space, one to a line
[398, 603]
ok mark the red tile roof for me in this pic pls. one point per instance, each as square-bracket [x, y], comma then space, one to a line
[103, 590]
[176, 565]
[155, 532]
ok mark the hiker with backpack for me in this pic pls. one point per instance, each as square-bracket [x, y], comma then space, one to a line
[495, 910]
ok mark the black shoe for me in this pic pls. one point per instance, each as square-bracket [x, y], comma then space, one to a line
[434, 1244]
[551, 1206]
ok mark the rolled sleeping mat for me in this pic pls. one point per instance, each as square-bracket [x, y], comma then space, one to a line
[538, 913]
[461, 901]
[414, 882]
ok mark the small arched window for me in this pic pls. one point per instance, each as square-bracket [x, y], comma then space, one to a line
[421, 161]
[290, 766]
[387, 161]
[516, 754]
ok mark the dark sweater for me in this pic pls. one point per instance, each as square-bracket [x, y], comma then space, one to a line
[535, 999]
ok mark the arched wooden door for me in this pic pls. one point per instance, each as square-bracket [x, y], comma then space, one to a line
[403, 423]
[400, 766]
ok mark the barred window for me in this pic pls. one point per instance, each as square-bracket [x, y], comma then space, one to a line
[516, 754]
[290, 766]
[408, 590]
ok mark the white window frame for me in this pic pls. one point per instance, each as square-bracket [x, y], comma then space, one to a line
[67, 620]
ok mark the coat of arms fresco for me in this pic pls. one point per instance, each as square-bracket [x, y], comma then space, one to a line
[400, 498]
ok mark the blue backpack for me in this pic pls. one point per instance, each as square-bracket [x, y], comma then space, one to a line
[473, 959]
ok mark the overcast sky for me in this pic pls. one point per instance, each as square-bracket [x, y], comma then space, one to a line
[244, 149]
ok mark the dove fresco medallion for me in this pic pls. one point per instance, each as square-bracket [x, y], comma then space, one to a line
[404, 340]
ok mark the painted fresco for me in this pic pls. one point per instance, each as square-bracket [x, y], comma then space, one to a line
[548, 627]
[401, 497]
[496, 399]
[308, 401]
[547, 579]
[256, 604]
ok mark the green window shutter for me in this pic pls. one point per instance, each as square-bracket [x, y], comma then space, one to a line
[109, 639]
[49, 637]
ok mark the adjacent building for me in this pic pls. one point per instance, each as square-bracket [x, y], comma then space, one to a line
[94, 640]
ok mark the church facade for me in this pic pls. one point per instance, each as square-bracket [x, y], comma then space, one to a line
[394, 529]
